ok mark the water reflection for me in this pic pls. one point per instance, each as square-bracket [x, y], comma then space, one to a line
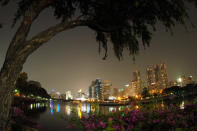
[34, 106]
[57, 108]
[79, 111]
[112, 109]
[67, 110]
[182, 105]
[84, 109]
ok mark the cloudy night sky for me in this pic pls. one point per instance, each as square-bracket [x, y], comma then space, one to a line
[70, 61]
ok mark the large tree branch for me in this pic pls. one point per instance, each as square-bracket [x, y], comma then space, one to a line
[46, 35]
[23, 30]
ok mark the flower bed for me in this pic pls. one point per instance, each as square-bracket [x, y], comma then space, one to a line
[161, 119]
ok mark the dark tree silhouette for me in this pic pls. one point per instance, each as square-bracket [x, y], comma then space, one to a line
[30, 87]
[145, 92]
[123, 23]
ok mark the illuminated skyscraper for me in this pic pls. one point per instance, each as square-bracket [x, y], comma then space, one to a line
[69, 95]
[163, 76]
[157, 77]
[150, 76]
[106, 89]
[136, 83]
[95, 90]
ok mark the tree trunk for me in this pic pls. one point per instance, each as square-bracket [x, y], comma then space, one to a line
[8, 76]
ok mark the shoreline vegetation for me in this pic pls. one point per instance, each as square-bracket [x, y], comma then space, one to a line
[131, 119]
[144, 117]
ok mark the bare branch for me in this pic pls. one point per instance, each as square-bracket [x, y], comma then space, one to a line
[46, 35]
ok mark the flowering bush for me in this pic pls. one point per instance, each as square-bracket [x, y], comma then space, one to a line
[19, 120]
[172, 118]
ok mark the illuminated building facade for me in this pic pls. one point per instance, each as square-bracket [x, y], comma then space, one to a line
[81, 95]
[183, 80]
[136, 83]
[69, 95]
[106, 89]
[172, 83]
[95, 90]
[157, 77]
[100, 89]
[115, 92]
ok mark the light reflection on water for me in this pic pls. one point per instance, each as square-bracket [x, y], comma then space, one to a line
[85, 109]
[182, 105]
[81, 109]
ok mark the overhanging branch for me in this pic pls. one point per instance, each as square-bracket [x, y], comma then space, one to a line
[46, 35]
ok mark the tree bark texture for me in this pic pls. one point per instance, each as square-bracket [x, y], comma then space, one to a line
[19, 50]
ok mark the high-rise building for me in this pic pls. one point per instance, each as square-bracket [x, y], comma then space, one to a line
[190, 80]
[157, 77]
[95, 90]
[163, 76]
[69, 95]
[183, 80]
[106, 89]
[136, 83]
[150, 76]
[81, 95]
[115, 92]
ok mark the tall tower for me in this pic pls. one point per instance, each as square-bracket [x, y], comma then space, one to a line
[150, 76]
[163, 76]
[95, 90]
[137, 81]
[91, 91]
[98, 90]
[157, 77]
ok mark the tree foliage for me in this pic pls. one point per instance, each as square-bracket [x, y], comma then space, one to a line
[124, 23]
[145, 92]
[30, 87]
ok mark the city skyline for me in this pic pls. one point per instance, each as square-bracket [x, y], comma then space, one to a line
[62, 64]
[157, 79]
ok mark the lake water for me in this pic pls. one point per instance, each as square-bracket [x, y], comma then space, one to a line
[53, 114]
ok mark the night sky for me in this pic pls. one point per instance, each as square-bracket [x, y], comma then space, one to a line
[70, 61]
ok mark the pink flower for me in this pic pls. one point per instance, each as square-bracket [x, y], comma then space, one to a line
[17, 112]
[126, 111]
[38, 125]
[110, 119]
[102, 124]
[71, 126]
[171, 105]
[117, 127]
[156, 121]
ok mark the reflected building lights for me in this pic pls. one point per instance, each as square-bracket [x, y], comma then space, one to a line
[182, 105]
[31, 106]
[58, 108]
[67, 110]
[83, 108]
[79, 112]
[112, 109]
[88, 108]
[51, 107]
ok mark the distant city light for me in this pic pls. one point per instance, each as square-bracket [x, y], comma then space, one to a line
[112, 98]
[179, 80]
[127, 85]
